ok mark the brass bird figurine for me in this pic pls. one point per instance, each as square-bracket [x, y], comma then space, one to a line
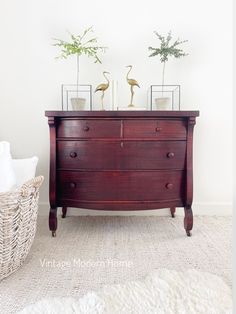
[102, 87]
[132, 83]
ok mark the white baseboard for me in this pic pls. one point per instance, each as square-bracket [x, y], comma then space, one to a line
[208, 209]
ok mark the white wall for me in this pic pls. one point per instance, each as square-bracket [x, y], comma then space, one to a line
[30, 76]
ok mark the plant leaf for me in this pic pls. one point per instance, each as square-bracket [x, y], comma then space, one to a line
[80, 45]
[167, 49]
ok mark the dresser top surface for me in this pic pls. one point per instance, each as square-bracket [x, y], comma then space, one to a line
[124, 113]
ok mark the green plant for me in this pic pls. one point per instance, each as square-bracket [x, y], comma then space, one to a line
[167, 50]
[80, 45]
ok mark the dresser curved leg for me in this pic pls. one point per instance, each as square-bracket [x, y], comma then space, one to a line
[172, 211]
[53, 220]
[64, 211]
[188, 220]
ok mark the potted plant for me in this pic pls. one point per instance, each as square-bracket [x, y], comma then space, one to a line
[80, 45]
[164, 52]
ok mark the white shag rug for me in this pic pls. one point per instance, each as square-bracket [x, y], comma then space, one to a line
[163, 292]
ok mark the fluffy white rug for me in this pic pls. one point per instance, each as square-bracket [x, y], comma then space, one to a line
[163, 292]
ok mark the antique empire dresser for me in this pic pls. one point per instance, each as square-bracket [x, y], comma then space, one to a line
[121, 160]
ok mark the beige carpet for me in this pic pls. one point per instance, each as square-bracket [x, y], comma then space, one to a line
[89, 252]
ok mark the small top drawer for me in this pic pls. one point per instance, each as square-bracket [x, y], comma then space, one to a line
[89, 128]
[158, 129]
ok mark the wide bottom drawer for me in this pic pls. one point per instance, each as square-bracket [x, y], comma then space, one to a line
[120, 185]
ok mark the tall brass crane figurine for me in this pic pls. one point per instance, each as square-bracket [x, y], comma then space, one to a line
[132, 83]
[102, 87]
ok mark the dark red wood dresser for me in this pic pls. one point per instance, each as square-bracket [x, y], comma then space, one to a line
[121, 160]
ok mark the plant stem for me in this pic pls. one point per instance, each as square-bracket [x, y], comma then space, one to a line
[163, 77]
[77, 82]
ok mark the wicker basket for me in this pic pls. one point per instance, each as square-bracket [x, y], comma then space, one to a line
[18, 217]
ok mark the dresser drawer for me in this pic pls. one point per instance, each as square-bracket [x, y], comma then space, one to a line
[121, 155]
[89, 128]
[120, 185]
[157, 129]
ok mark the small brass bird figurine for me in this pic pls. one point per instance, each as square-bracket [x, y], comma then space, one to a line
[102, 87]
[132, 83]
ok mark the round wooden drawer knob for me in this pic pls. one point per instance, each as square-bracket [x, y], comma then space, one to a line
[169, 186]
[170, 155]
[158, 129]
[73, 154]
[86, 128]
[73, 185]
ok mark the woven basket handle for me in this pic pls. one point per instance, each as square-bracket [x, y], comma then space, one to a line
[33, 183]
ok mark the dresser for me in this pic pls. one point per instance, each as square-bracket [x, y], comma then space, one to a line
[121, 160]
